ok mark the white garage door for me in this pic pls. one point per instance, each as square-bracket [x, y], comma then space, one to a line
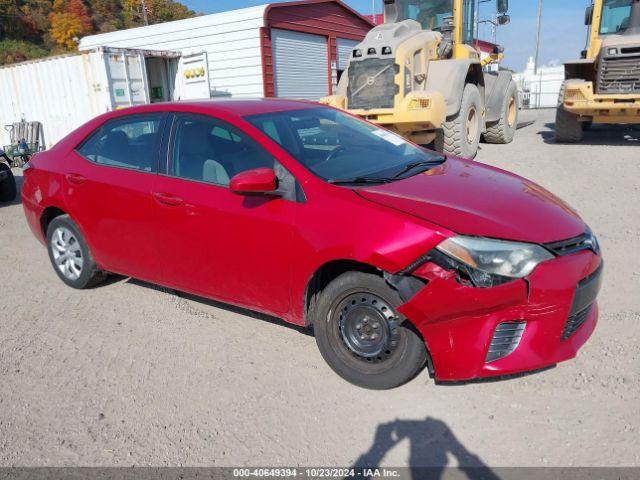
[300, 63]
[345, 48]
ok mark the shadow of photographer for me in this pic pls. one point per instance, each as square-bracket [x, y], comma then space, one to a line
[431, 442]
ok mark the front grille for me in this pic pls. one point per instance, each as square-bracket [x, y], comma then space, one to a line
[506, 339]
[585, 241]
[619, 74]
[371, 83]
[574, 322]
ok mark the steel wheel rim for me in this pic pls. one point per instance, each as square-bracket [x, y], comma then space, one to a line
[511, 118]
[472, 126]
[368, 327]
[67, 254]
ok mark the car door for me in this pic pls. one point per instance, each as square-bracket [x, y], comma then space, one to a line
[108, 190]
[214, 242]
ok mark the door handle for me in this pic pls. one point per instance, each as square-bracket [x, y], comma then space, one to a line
[75, 178]
[168, 199]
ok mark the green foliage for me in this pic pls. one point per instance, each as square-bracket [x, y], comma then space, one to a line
[13, 51]
[36, 28]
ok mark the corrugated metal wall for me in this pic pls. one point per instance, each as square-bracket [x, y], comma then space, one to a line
[300, 62]
[61, 92]
[231, 40]
[344, 49]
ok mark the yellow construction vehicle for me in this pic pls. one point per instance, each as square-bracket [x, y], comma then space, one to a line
[604, 85]
[420, 75]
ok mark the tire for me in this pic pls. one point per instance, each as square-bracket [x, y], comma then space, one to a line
[504, 129]
[568, 128]
[454, 137]
[398, 353]
[8, 189]
[70, 256]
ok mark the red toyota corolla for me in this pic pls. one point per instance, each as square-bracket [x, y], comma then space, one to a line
[399, 257]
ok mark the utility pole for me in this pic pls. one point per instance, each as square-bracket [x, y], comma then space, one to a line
[535, 68]
[373, 11]
[145, 18]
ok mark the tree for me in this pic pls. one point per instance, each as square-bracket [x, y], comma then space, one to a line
[158, 11]
[78, 9]
[66, 29]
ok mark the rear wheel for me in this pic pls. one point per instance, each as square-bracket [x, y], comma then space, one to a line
[504, 129]
[460, 135]
[70, 255]
[568, 128]
[361, 335]
[8, 189]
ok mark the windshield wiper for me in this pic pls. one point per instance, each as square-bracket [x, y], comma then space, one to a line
[427, 164]
[356, 180]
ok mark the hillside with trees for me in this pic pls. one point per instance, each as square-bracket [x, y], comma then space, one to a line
[38, 28]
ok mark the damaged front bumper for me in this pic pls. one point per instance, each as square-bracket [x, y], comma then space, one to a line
[537, 322]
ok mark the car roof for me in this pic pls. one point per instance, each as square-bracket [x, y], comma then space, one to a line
[239, 107]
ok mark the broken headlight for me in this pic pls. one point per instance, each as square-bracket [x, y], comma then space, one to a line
[487, 262]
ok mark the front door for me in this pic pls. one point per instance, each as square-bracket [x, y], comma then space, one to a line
[214, 242]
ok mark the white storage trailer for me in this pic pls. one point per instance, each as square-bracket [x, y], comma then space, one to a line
[65, 91]
[293, 50]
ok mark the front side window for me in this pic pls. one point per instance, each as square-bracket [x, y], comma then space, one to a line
[338, 147]
[209, 150]
[615, 16]
[129, 142]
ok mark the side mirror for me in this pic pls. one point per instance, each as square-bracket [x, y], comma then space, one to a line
[588, 15]
[503, 19]
[258, 180]
[503, 6]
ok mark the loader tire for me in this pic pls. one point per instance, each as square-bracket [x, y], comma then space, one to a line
[460, 134]
[504, 129]
[568, 128]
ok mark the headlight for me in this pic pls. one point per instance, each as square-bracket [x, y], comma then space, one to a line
[492, 262]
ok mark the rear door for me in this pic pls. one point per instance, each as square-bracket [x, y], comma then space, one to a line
[108, 188]
[128, 78]
[301, 64]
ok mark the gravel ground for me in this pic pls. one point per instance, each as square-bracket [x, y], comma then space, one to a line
[130, 374]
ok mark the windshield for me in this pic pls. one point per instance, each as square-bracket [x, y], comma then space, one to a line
[615, 16]
[429, 13]
[338, 147]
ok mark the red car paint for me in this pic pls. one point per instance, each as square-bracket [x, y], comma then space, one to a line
[261, 252]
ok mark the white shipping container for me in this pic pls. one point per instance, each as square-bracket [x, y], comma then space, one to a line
[229, 41]
[64, 92]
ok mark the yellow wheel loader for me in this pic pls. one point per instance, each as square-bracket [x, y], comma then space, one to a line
[604, 85]
[420, 75]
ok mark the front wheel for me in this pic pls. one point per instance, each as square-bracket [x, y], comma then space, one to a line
[568, 128]
[361, 335]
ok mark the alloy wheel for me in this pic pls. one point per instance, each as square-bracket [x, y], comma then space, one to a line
[67, 253]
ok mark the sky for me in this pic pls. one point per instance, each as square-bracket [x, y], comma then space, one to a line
[563, 31]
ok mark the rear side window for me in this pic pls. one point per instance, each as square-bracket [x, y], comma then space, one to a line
[130, 142]
[209, 150]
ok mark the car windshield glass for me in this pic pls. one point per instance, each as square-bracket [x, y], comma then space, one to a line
[615, 16]
[343, 149]
[429, 13]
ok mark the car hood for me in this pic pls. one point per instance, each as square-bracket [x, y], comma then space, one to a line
[474, 199]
